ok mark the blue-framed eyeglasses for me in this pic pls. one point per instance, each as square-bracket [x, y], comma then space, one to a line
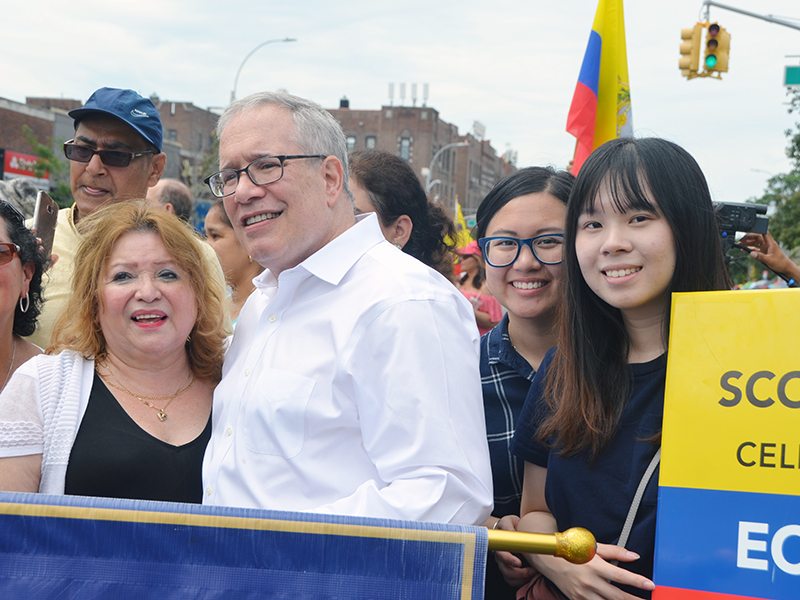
[501, 251]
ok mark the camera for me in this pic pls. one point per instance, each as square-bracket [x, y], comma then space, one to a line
[735, 216]
[747, 218]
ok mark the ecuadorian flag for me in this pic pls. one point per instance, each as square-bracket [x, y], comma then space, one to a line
[601, 106]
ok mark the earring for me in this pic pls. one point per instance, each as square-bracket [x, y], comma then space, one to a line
[27, 303]
[398, 246]
[250, 257]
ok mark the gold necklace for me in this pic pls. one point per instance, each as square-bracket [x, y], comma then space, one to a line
[162, 415]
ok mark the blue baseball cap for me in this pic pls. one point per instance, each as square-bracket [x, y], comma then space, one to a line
[128, 106]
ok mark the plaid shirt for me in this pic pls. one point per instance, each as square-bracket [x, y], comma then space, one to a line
[505, 379]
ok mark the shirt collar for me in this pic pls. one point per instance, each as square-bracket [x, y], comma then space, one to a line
[497, 340]
[331, 262]
[500, 350]
[71, 216]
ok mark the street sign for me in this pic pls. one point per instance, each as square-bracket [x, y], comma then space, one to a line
[792, 76]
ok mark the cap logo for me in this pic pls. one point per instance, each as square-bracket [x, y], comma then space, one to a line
[138, 113]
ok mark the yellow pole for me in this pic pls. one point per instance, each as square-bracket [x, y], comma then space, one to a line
[576, 545]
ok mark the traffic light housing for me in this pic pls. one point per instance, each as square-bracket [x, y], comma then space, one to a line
[690, 51]
[718, 44]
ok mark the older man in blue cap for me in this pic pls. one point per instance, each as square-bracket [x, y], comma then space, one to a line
[114, 156]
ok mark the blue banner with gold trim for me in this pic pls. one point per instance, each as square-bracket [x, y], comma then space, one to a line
[76, 547]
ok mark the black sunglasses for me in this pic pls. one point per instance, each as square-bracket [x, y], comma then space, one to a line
[111, 158]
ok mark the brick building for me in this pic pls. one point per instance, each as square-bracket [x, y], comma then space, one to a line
[15, 115]
[416, 134]
[190, 128]
[16, 153]
[482, 168]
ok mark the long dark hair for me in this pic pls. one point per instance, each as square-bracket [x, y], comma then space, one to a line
[589, 386]
[394, 190]
[25, 322]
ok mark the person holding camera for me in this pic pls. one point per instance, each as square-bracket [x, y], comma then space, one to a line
[765, 249]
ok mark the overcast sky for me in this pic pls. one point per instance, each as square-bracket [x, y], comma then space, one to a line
[511, 65]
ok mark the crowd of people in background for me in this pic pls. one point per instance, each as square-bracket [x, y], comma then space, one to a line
[375, 369]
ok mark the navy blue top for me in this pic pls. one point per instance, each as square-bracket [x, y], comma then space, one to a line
[505, 378]
[597, 495]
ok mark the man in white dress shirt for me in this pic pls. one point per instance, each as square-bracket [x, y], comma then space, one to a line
[351, 385]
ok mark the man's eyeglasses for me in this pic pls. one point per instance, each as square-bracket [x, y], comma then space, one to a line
[501, 251]
[261, 171]
[110, 158]
[7, 252]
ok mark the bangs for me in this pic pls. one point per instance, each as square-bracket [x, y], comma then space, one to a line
[616, 167]
[627, 189]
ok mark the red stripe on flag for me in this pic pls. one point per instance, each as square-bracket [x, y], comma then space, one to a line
[581, 123]
[670, 593]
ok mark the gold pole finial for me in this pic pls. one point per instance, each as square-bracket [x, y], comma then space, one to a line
[577, 545]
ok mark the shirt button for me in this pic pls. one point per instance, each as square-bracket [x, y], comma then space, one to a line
[272, 318]
[229, 431]
[208, 491]
[246, 372]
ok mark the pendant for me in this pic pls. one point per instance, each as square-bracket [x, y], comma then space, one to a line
[162, 416]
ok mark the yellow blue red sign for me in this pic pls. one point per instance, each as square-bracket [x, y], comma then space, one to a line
[729, 495]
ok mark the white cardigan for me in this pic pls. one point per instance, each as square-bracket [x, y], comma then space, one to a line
[41, 410]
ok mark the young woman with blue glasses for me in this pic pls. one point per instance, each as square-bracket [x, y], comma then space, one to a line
[520, 226]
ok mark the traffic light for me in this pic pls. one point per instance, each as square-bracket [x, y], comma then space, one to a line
[690, 51]
[718, 44]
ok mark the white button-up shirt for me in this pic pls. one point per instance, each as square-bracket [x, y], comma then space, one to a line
[352, 387]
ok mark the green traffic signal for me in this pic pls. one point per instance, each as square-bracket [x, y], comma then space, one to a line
[718, 46]
[711, 46]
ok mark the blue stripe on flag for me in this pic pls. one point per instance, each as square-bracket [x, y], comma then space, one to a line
[699, 544]
[590, 68]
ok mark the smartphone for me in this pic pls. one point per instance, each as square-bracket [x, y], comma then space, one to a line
[45, 216]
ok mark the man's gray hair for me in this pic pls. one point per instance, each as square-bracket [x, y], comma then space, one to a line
[316, 129]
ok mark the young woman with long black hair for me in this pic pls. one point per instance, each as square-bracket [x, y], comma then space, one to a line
[640, 225]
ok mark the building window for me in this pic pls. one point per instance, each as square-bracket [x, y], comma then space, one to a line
[351, 142]
[371, 141]
[405, 148]
[172, 135]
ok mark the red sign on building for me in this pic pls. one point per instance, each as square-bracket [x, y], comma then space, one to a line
[18, 164]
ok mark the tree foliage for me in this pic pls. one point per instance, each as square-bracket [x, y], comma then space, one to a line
[57, 167]
[783, 190]
[208, 164]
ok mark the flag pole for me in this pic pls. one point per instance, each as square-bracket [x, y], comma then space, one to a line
[576, 545]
